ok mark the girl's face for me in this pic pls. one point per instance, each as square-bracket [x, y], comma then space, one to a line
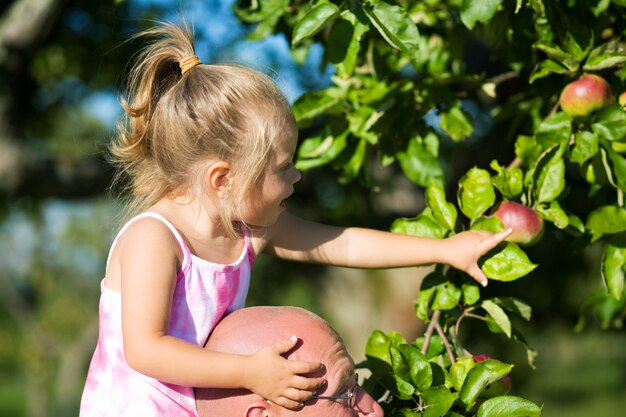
[265, 203]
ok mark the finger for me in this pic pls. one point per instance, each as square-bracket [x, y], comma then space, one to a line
[497, 238]
[307, 384]
[476, 273]
[298, 395]
[302, 367]
[289, 404]
[285, 345]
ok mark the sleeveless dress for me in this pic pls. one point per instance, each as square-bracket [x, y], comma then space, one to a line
[204, 293]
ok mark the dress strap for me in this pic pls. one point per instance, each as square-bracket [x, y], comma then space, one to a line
[179, 238]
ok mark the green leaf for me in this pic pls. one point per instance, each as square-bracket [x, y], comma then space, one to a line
[585, 147]
[445, 213]
[579, 42]
[400, 365]
[411, 365]
[378, 346]
[481, 375]
[447, 297]
[424, 225]
[514, 306]
[606, 220]
[351, 168]
[575, 225]
[509, 181]
[456, 124]
[419, 164]
[259, 11]
[555, 130]
[610, 123]
[507, 262]
[552, 51]
[435, 346]
[422, 304]
[604, 60]
[313, 21]
[527, 149]
[489, 224]
[344, 43]
[547, 67]
[550, 177]
[498, 315]
[553, 212]
[361, 121]
[614, 265]
[320, 150]
[313, 104]
[471, 294]
[508, 406]
[478, 11]
[618, 165]
[438, 401]
[394, 25]
[475, 193]
[459, 370]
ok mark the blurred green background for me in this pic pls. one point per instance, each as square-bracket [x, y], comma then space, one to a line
[62, 69]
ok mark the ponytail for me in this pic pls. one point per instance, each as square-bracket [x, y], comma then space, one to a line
[180, 114]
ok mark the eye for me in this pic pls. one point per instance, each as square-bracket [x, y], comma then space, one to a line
[286, 166]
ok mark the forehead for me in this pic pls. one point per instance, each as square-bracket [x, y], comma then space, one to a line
[285, 134]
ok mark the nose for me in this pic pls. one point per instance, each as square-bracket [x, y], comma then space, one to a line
[365, 405]
[295, 175]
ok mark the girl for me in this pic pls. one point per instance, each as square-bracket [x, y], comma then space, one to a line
[209, 152]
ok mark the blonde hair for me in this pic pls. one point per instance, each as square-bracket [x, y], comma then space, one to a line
[176, 121]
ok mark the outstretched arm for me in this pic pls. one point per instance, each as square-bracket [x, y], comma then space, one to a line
[300, 240]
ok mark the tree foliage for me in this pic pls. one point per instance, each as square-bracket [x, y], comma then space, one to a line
[463, 97]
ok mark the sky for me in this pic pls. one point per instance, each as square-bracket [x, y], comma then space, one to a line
[220, 38]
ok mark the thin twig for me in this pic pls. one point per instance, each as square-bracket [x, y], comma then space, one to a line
[465, 313]
[434, 320]
[445, 341]
[505, 76]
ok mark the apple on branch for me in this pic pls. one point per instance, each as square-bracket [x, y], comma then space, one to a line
[586, 95]
[526, 224]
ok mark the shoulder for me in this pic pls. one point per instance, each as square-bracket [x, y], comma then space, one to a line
[148, 237]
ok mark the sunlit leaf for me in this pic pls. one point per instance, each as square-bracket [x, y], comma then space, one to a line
[508, 406]
[481, 375]
[478, 11]
[498, 315]
[438, 401]
[313, 21]
[507, 263]
[606, 220]
[475, 193]
[614, 265]
[394, 25]
[444, 212]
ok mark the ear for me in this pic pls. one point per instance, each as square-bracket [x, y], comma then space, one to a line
[217, 177]
[258, 408]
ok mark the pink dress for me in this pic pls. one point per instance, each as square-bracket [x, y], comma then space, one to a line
[204, 293]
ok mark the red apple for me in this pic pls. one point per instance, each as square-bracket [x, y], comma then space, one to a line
[526, 224]
[585, 95]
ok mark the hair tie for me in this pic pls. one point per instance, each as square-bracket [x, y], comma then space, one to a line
[188, 63]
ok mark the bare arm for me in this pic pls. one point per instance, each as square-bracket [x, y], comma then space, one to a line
[300, 240]
[148, 264]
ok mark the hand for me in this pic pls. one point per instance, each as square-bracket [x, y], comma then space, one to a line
[280, 380]
[465, 248]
